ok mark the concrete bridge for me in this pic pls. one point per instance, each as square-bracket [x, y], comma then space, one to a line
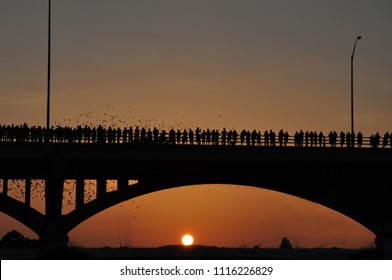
[354, 182]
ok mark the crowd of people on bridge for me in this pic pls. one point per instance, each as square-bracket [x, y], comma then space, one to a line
[101, 135]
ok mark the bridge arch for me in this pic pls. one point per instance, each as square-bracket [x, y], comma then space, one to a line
[22, 213]
[251, 188]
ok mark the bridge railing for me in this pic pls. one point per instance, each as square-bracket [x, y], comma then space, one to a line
[100, 135]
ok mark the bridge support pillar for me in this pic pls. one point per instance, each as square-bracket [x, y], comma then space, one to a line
[388, 245]
[53, 235]
[101, 187]
[383, 242]
[5, 187]
[122, 183]
[79, 193]
[28, 193]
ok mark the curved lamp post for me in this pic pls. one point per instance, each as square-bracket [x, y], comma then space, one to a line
[352, 86]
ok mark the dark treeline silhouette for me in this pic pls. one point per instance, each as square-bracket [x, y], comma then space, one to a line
[16, 240]
[102, 135]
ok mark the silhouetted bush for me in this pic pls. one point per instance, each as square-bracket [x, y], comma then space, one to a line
[285, 244]
[16, 240]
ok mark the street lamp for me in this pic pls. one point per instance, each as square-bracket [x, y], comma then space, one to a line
[352, 86]
[48, 96]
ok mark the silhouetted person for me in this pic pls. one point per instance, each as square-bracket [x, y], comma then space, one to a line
[353, 139]
[197, 134]
[40, 134]
[130, 134]
[253, 137]
[242, 136]
[178, 136]
[191, 136]
[111, 135]
[125, 135]
[185, 137]
[2, 133]
[155, 133]
[137, 134]
[143, 135]
[235, 136]
[272, 137]
[172, 137]
[217, 135]
[214, 137]
[348, 139]
[203, 137]
[162, 137]
[280, 137]
[118, 135]
[390, 139]
[208, 136]
[224, 136]
[247, 136]
[385, 140]
[286, 138]
[258, 138]
[359, 139]
[149, 136]
[376, 140]
[296, 139]
[229, 137]
[266, 138]
[94, 135]
[307, 136]
[342, 137]
[315, 138]
[321, 139]
[311, 136]
[330, 138]
[301, 137]
[371, 141]
[101, 135]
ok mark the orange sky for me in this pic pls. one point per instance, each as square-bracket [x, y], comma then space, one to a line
[216, 215]
[234, 64]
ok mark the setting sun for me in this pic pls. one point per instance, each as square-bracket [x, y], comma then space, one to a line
[187, 240]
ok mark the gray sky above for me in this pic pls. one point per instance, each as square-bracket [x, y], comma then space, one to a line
[239, 64]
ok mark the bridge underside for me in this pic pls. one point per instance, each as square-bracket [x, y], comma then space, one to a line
[353, 183]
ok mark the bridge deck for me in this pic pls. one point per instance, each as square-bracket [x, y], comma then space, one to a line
[34, 159]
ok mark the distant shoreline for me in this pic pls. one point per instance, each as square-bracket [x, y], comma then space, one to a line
[176, 252]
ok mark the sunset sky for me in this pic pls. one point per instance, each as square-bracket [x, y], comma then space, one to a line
[252, 64]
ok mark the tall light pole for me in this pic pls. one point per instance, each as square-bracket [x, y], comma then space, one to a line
[48, 96]
[352, 86]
